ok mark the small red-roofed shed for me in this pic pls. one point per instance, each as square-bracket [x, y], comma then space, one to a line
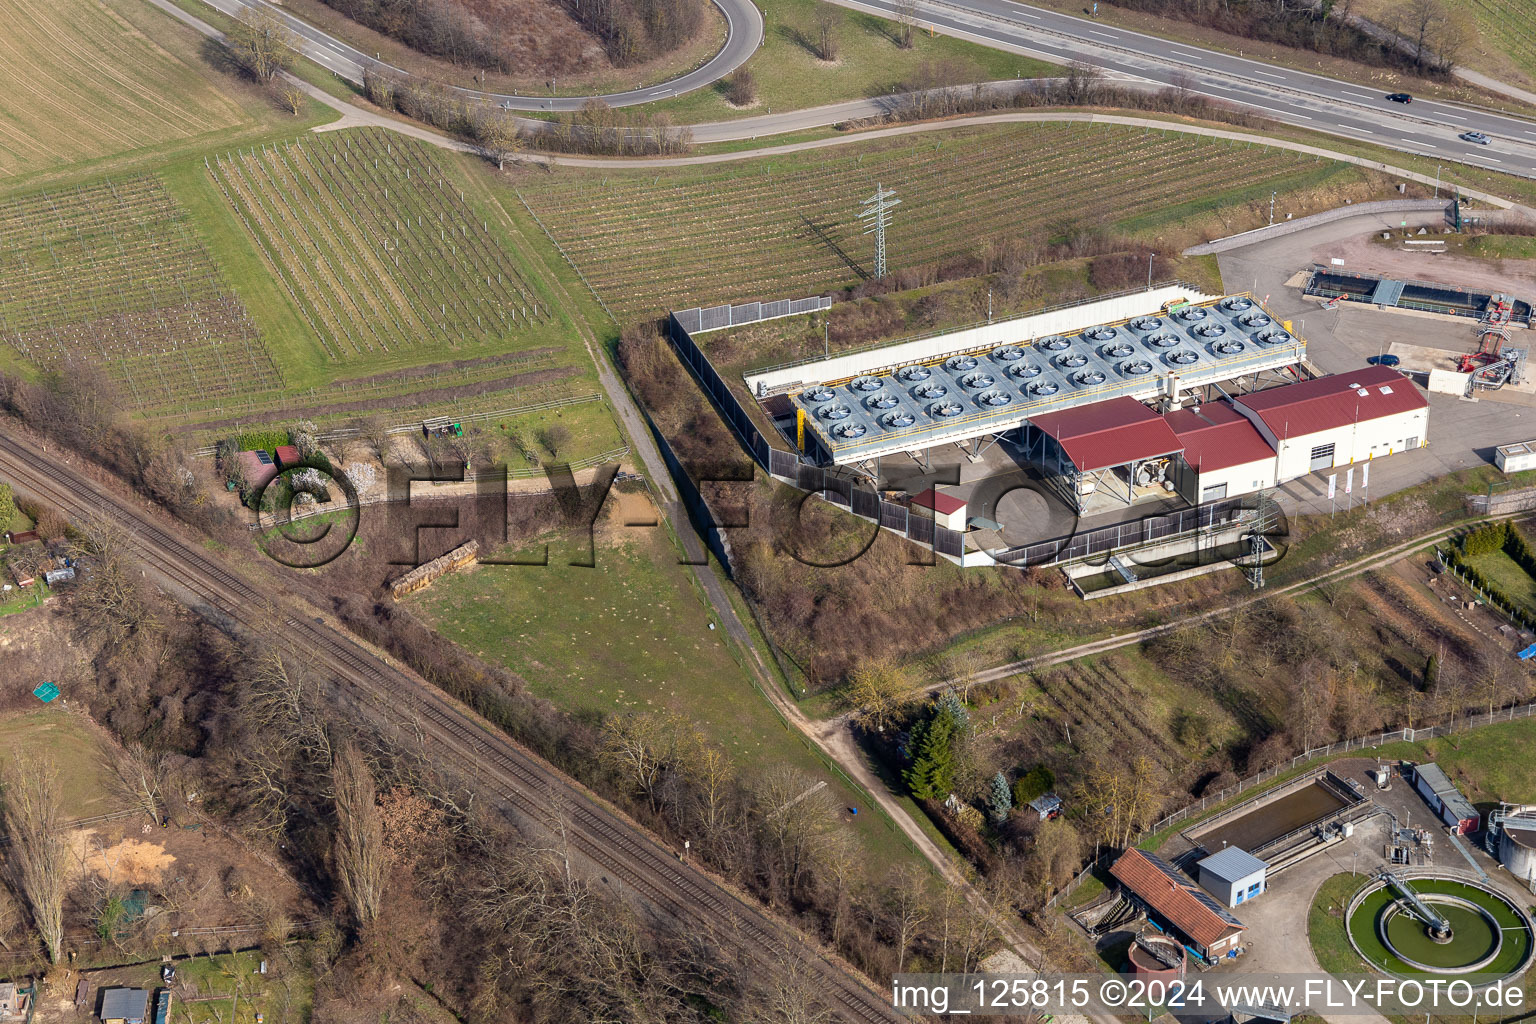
[945, 509]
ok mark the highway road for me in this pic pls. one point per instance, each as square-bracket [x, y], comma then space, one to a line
[744, 34]
[1425, 127]
[518, 781]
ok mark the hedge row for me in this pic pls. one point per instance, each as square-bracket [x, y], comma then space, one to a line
[265, 440]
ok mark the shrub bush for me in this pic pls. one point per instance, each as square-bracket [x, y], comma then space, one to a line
[266, 440]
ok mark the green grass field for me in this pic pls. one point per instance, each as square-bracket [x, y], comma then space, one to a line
[84, 779]
[80, 80]
[786, 226]
[869, 62]
[229, 987]
[630, 635]
[1505, 574]
[112, 275]
[1490, 764]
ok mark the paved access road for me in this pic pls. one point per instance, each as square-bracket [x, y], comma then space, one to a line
[515, 780]
[744, 34]
[1311, 101]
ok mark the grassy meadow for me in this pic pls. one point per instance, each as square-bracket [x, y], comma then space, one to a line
[631, 634]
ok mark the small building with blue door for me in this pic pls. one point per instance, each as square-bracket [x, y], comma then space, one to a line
[1232, 875]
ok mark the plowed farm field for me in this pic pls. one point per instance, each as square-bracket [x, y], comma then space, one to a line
[78, 80]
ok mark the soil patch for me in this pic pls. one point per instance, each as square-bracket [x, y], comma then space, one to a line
[128, 861]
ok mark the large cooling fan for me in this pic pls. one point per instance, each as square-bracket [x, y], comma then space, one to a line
[835, 412]
[818, 395]
[961, 363]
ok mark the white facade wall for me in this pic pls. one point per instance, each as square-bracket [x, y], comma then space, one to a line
[1234, 893]
[1352, 443]
[1004, 332]
[1241, 479]
[1515, 461]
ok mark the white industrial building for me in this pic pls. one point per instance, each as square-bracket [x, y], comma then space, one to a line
[1232, 875]
[1515, 458]
[1224, 454]
[1338, 420]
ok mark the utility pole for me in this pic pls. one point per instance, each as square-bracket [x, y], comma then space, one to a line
[1272, 206]
[1437, 181]
[1149, 266]
[876, 215]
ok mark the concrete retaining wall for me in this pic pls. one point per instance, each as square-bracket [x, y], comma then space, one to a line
[1292, 226]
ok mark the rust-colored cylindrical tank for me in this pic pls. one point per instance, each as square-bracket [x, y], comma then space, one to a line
[1155, 955]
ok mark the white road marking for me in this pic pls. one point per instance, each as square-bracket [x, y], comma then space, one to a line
[1459, 117]
[1358, 95]
[1266, 74]
[1362, 131]
[1101, 35]
[1493, 159]
[1304, 117]
[1024, 14]
[1195, 56]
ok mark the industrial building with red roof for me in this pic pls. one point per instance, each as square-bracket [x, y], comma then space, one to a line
[1105, 434]
[1178, 905]
[1338, 420]
[1224, 454]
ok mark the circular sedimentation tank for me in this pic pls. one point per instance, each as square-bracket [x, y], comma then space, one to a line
[1488, 933]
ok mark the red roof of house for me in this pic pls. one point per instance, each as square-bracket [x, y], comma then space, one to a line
[287, 455]
[257, 472]
[1217, 437]
[1108, 433]
[1325, 403]
[1180, 903]
[945, 504]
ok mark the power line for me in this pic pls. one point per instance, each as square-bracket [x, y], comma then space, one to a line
[876, 215]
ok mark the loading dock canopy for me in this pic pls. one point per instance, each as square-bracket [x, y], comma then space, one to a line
[1110, 433]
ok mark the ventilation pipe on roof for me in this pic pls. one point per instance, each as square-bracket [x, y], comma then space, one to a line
[1171, 392]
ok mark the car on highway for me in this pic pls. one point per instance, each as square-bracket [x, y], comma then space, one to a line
[1383, 360]
[1399, 97]
[1477, 137]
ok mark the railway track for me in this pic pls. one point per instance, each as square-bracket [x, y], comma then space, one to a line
[524, 782]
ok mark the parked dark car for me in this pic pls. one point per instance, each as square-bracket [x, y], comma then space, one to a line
[1384, 360]
[1400, 97]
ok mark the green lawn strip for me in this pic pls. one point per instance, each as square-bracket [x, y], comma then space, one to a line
[1503, 247]
[1506, 575]
[1326, 927]
[85, 781]
[869, 63]
[630, 635]
[229, 987]
[287, 336]
[16, 601]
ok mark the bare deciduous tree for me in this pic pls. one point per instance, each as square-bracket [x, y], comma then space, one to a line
[906, 21]
[140, 776]
[828, 20]
[39, 852]
[360, 852]
[879, 693]
[113, 604]
[263, 45]
[293, 98]
[499, 137]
